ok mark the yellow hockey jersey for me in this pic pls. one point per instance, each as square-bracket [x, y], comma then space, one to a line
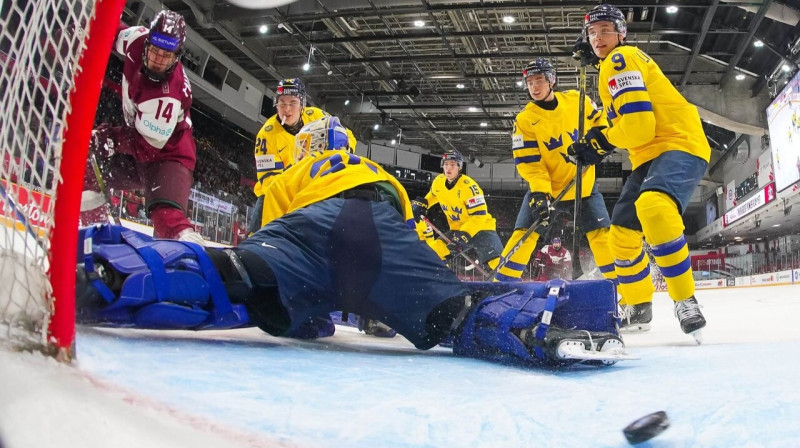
[540, 141]
[274, 149]
[322, 176]
[463, 204]
[649, 116]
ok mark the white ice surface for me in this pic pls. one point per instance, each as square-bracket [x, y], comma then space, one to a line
[244, 388]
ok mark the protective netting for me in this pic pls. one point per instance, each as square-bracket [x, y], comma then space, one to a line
[40, 45]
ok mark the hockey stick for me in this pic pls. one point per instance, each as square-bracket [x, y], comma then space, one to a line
[577, 271]
[102, 185]
[533, 226]
[475, 263]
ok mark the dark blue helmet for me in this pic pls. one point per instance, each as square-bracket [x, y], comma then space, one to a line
[556, 240]
[540, 66]
[293, 87]
[455, 156]
[605, 13]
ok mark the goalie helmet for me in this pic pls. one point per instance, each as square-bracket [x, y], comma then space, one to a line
[167, 32]
[605, 13]
[293, 87]
[455, 156]
[540, 66]
[321, 135]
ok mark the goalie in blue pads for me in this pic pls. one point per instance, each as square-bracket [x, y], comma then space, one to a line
[340, 238]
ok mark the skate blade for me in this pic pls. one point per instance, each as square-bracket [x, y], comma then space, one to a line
[698, 336]
[635, 328]
[576, 350]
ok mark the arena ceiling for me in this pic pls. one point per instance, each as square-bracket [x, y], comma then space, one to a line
[443, 74]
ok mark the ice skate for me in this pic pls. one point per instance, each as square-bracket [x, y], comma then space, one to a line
[636, 318]
[691, 319]
[375, 328]
[574, 346]
[190, 236]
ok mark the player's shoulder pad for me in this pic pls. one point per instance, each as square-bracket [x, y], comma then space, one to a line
[466, 180]
[570, 95]
[312, 113]
[527, 118]
[271, 125]
[134, 32]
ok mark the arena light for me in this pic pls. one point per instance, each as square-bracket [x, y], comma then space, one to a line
[419, 23]
[473, 109]
[263, 29]
[672, 9]
[740, 77]
[508, 19]
[758, 44]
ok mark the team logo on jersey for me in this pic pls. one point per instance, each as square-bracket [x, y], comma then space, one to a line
[268, 128]
[625, 81]
[554, 143]
[476, 201]
[309, 112]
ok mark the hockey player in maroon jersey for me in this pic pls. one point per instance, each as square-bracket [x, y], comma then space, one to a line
[555, 261]
[155, 149]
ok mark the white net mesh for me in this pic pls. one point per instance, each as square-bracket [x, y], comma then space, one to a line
[40, 44]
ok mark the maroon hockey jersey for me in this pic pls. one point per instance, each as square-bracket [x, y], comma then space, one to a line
[158, 125]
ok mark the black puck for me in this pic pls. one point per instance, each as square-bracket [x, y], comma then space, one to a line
[646, 427]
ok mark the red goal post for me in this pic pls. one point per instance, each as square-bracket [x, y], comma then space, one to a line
[53, 56]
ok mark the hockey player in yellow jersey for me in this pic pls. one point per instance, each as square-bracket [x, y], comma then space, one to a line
[669, 154]
[464, 206]
[274, 148]
[542, 133]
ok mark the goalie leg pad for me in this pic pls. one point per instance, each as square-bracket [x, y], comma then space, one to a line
[148, 283]
[494, 327]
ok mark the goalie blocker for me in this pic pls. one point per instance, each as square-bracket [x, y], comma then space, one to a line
[127, 279]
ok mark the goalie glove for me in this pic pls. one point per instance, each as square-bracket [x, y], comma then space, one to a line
[593, 148]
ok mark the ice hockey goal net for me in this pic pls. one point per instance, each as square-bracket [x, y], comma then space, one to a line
[53, 55]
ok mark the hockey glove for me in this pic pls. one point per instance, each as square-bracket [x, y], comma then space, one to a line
[593, 149]
[419, 207]
[583, 52]
[102, 142]
[459, 242]
[540, 207]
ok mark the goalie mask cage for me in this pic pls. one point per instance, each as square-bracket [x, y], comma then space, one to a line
[53, 56]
